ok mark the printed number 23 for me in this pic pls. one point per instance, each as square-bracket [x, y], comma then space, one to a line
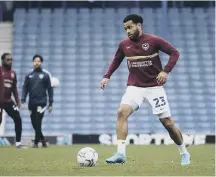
[159, 102]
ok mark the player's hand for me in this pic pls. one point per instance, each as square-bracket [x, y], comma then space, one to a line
[104, 82]
[50, 109]
[162, 77]
[19, 105]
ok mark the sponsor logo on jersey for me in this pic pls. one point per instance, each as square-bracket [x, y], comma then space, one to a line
[128, 47]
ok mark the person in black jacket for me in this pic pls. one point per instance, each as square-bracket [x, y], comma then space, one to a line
[37, 83]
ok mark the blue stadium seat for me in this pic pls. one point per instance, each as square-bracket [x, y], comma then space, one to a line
[77, 52]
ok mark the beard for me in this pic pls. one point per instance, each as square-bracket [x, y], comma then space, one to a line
[135, 35]
[7, 66]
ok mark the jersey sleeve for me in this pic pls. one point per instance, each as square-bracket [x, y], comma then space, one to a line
[167, 48]
[118, 58]
[25, 90]
[50, 89]
[15, 90]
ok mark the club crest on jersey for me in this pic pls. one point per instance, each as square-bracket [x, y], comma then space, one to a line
[145, 46]
[12, 75]
[41, 76]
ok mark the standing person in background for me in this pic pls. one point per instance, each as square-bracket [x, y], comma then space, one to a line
[37, 83]
[10, 87]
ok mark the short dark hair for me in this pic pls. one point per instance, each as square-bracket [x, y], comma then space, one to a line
[37, 56]
[4, 55]
[134, 17]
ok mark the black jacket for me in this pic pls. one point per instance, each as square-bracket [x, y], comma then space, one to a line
[37, 83]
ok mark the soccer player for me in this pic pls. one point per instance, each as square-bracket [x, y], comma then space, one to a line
[145, 83]
[37, 83]
[10, 87]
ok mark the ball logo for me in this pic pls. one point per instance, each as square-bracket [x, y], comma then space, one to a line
[145, 46]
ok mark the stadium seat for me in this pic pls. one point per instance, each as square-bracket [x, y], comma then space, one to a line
[77, 52]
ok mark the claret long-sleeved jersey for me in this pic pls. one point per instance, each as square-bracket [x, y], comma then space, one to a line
[143, 59]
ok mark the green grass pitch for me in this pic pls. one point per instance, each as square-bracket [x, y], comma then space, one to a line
[141, 161]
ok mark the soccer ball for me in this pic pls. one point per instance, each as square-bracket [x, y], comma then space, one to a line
[87, 157]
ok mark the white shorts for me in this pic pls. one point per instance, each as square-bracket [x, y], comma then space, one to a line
[155, 96]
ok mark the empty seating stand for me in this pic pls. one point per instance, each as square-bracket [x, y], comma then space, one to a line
[77, 45]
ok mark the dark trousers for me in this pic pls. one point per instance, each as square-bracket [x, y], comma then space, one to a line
[13, 111]
[37, 113]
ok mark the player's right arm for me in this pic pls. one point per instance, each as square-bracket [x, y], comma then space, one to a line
[118, 58]
[1, 88]
[25, 90]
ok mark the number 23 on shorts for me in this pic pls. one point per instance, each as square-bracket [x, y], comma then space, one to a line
[159, 102]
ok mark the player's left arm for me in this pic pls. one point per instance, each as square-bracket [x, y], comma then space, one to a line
[50, 91]
[169, 49]
[15, 91]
